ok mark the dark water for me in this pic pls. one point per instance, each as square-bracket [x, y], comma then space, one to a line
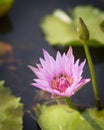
[20, 28]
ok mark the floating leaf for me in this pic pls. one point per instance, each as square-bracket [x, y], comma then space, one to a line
[61, 117]
[60, 29]
[5, 5]
[11, 110]
[94, 118]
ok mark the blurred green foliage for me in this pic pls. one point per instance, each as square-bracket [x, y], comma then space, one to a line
[11, 110]
[60, 28]
[5, 5]
[61, 117]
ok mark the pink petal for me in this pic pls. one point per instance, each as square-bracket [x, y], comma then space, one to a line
[42, 85]
[82, 83]
[58, 63]
[34, 69]
[48, 58]
[70, 52]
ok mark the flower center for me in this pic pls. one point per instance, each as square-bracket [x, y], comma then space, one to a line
[61, 83]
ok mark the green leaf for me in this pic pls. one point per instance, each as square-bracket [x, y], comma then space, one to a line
[61, 117]
[11, 110]
[5, 5]
[95, 118]
[60, 29]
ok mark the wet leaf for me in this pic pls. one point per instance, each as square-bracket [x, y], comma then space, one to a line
[61, 117]
[59, 28]
[94, 118]
[11, 110]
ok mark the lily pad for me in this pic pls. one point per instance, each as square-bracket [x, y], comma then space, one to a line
[60, 28]
[5, 5]
[11, 110]
[61, 117]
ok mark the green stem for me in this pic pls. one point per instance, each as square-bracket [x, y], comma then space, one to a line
[93, 77]
[69, 103]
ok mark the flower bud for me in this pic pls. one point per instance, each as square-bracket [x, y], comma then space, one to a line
[83, 32]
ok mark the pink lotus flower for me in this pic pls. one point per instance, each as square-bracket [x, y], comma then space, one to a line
[61, 77]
